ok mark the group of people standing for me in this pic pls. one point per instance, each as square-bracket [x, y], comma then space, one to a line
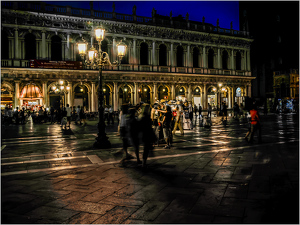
[43, 115]
[149, 125]
[68, 114]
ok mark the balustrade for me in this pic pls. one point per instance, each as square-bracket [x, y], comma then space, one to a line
[141, 68]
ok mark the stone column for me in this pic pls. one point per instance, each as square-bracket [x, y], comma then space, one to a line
[233, 94]
[243, 64]
[154, 92]
[184, 58]
[114, 50]
[138, 57]
[188, 60]
[22, 48]
[173, 92]
[11, 48]
[248, 61]
[136, 93]
[134, 52]
[67, 53]
[93, 95]
[150, 62]
[190, 93]
[232, 60]
[70, 95]
[249, 94]
[16, 43]
[199, 59]
[229, 98]
[116, 97]
[204, 97]
[172, 55]
[154, 61]
[17, 95]
[204, 63]
[219, 65]
[45, 94]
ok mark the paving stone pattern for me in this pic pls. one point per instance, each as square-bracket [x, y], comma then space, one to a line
[208, 176]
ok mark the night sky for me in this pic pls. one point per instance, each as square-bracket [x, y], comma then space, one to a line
[225, 11]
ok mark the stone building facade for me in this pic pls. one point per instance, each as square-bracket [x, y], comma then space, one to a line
[167, 58]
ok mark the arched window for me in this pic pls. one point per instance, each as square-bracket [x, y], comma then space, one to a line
[144, 54]
[162, 55]
[179, 56]
[225, 60]
[196, 58]
[238, 60]
[56, 48]
[4, 46]
[211, 58]
[30, 46]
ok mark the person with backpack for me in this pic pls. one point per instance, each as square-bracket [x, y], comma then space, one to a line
[255, 124]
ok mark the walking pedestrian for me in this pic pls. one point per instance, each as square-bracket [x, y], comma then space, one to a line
[74, 114]
[110, 115]
[255, 124]
[134, 131]
[124, 131]
[16, 115]
[10, 115]
[45, 116]
[200, 111]
[209, 109]
[235, 110]
[78, 114]
[22, 115]
[148, 135]
[154, 118]
[178, 121]
[166, 126]
[106, 114]
[224, 111]
[6, 115]
[64, 119]
[69, 113]
[191, 115]
[40, 115]
[82, 115]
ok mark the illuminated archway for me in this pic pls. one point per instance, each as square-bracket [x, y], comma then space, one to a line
[31, 96]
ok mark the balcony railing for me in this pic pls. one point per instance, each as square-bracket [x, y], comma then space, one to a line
[10, 63]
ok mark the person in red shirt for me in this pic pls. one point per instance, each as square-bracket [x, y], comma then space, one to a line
[255, 124]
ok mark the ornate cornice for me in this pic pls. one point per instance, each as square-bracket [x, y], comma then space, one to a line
[84, 25]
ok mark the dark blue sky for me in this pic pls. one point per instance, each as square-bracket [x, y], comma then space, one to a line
[225, 11]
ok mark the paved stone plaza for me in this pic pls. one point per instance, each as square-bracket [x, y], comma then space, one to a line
[208, 176]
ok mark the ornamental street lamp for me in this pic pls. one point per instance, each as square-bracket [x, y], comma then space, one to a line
[61, 88]
[97, 59]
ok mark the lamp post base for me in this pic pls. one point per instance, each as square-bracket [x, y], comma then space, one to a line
[102, 143]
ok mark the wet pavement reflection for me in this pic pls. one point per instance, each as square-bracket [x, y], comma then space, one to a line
[209, 176]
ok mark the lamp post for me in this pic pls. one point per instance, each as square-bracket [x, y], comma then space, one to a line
[61, 88]
[97, 59]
